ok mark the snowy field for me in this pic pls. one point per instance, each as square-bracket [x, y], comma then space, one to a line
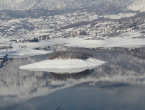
[17, 51]
[120, 15]
[123, 40]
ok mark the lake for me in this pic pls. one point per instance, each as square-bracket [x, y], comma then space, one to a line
[119, 84]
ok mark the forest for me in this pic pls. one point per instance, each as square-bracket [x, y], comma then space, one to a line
[71, 54]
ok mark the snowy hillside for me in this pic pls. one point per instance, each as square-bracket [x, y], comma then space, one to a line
[62, 4]
[39, 4]
[16, 4]
[138, 5]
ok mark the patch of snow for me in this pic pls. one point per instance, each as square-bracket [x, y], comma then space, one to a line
[28, 53]
[19, 53]
[40, 44]
[64, 66]
[138, 5]
[120, 15]
[123, 40]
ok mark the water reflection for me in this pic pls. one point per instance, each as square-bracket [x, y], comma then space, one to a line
[103, 85]
[89, 98]
[66, 76]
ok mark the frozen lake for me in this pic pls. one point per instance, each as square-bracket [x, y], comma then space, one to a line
[116, 85]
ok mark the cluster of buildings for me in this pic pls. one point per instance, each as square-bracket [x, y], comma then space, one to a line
[27, 25]
[45, 27]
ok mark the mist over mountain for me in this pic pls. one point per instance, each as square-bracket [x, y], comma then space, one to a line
[135, 5]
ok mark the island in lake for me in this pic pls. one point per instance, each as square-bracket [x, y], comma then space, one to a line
[62, 62]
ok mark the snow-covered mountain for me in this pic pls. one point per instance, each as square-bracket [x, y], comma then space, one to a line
[138, 5]
[16, 4]
[40, 4]
[71, 4]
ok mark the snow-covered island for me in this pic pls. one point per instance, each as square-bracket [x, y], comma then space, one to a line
[71, 61]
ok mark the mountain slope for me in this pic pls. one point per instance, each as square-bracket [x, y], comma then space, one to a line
[138, 5]
[135, 5]
[41, 4]
[59, 4]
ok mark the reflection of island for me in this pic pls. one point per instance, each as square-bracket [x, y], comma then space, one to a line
[66, 76]
[103, 85]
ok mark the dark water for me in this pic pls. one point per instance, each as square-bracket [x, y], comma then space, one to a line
[117, 85]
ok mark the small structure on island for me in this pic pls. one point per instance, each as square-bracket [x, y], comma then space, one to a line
[34, 40]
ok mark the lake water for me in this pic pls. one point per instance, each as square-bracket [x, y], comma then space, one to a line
[119, 84]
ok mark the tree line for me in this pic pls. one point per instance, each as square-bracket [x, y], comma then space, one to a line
[70, 54]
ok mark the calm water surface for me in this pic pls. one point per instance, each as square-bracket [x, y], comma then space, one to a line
[119, 84]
